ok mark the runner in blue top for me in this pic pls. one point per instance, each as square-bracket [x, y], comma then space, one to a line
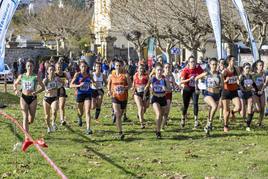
[159, 86]
[82, 82]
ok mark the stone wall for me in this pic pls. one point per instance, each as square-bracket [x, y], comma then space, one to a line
[13, 54]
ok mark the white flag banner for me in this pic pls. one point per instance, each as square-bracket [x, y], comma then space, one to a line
[239, 5]
[214, 12]
[7, 10]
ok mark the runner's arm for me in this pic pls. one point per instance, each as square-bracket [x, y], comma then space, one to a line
[109, 93]
[128, 82]
[73, 85]
[16, 83]
[202, 75]
[40, 83]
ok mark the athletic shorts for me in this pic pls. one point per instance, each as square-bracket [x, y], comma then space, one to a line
[229, 95]
[50, 100]
[259, 95]
[123, 104]
[62, 92]
[169, 96]
[80, 98]
[28, 99]
[215, 96]
[140, 94]
[162, 101]
[97, 92]
[245, 94]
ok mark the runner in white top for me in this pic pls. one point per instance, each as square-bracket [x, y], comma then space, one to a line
[97, 90]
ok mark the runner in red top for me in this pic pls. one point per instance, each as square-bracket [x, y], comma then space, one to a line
[189, 89]
[170, 78]
[140, 80]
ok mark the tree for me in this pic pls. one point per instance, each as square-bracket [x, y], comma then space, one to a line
[258, 14]
[170, 22]
[68, 24]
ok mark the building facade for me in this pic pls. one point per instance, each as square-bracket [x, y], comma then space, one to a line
[108, 41]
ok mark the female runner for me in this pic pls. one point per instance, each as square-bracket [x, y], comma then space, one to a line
[64, 81]
[28, 99]
[260, 80]
[140, 80]
[50, 101]
[214, 83]
[188, 75]
[159, 86]
[82, 81]
[118, 85]
[169, 76]
[97, 91]
[247, 85]
[229, 93]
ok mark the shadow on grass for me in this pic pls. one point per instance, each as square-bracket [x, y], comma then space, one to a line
[104, 157]
[127, 139]
[81, 135]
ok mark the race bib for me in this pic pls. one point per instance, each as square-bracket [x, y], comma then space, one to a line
[232, 80]
[211, 83]
[99, 84]
[51, 85]
[140, 88]
[120, 89]
[248, 82]
[28, 86]
[85, 87]
[259, 81]
[192, 83]
[158, 88]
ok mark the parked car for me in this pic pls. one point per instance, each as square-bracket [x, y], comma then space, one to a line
[9, 74]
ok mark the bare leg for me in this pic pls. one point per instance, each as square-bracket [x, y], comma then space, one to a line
[87, 105]
[25, 114]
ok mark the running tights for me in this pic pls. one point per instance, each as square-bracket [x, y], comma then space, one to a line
[187, 94]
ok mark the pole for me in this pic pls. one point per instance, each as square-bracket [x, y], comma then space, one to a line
[128, 51]
[5, 83]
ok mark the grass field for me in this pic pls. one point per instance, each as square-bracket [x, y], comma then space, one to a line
[182, 153]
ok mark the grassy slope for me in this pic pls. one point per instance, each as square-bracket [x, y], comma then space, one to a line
[181, 152]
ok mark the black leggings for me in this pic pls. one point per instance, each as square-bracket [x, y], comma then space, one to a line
[187, 94]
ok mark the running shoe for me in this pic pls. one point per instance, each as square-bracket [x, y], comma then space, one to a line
[182, 122]
[49, 130]
[260, 124]
[79, 121]
[207, 131]
[142, 126]
[125, 118]
[225, 129]
[63, 122]
[89, 132]
[248, 129]
[266, 112]
[121, 135]
[54, 127]
[196, 124]
[158, 135]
